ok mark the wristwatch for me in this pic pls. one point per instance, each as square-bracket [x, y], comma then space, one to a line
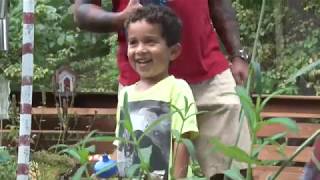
[241, 53]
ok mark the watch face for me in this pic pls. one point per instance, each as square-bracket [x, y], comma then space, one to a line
[157, 2]
[244, 55]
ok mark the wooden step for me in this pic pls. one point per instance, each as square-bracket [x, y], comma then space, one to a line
[305, 130]
[267, 114]
[289, 173]
[270, 152]
[72, 111]
[59, 131]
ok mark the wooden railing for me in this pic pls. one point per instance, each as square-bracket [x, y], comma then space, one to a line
[98, 112]
[306, 112]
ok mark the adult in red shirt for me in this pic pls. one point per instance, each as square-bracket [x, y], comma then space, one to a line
[201, 63]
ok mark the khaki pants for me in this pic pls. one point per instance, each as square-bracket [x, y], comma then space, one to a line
[221, 120]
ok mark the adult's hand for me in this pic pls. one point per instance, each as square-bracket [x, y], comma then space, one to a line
[239, 69]
[132, 6]
[92, 17]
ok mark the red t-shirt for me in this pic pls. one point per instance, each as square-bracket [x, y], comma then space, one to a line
[201, 57]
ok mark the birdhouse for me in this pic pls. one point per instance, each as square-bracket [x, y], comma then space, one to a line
[65, 82]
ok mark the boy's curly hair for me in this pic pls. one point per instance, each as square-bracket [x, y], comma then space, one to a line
[169, 23]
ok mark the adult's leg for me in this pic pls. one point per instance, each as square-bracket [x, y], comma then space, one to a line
[221, 121]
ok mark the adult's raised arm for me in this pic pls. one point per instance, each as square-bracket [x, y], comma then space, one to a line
[90, 16]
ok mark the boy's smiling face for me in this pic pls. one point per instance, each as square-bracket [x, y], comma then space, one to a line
[148, 52]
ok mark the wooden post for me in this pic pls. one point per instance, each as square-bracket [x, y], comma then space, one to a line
[26, 89]
[4, 103]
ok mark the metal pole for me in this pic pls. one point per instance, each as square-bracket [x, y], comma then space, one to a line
[4, 25]
[26, 90]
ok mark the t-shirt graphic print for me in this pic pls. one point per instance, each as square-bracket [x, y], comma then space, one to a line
[143, 114]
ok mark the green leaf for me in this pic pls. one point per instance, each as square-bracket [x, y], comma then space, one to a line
[175, 134]
[85, 140]
[4, 156]
[91, 149]
[257, 74]
[72, 152]
[84, 155]
[132, 170]
[304, 70]
[146, 154]
[151, 126]
[287, 122]
[57, 146]
[186, 106]
[267, 99]
[102, 139]
[192, 152]
[256, 150]
[79, 172]
[177, 110]
[232, 152]
[234, 174]
[247, 106]
[127, 119]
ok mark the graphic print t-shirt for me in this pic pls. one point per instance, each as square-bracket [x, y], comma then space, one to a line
[145, 108]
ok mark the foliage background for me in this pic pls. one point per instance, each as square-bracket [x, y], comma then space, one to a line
[290, 39]
[59, 42]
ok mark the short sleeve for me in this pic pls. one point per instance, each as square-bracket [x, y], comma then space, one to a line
[182, 99]
[119, 105]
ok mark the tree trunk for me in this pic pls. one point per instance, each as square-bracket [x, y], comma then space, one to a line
[279, 35]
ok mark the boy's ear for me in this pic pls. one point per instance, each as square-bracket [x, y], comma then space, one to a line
[175, 51]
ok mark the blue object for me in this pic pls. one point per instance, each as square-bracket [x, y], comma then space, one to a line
[157, 2]
[104, 164]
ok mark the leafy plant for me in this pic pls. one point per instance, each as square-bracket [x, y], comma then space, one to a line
[80, 151]
[8, 165]
[58, 42]
[46, 165]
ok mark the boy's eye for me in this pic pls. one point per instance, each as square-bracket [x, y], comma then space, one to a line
[150, 41]
[132, 42]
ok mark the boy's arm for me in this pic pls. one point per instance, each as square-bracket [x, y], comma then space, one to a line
[181, 161]
[113, 155]
[92, 17]
[224, 20]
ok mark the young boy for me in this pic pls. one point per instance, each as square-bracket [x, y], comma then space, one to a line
[153, 34]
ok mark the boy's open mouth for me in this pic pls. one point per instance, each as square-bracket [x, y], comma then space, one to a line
[143, 61]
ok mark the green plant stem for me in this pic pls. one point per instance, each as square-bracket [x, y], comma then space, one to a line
[249, 170]
[250, 76]
[298, 151]
[1, 129]
[254, 51]
[87, 173]
[136, 145]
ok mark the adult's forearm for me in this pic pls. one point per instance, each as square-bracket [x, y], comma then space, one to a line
[93, 18]
[224, 20]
